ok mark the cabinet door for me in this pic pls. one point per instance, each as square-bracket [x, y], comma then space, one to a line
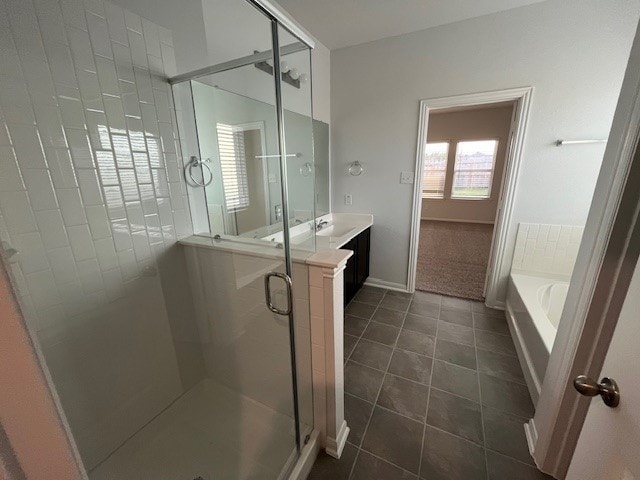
[350, 286]
[362, 260]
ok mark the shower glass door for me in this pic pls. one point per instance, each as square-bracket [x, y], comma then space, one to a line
[250, 198]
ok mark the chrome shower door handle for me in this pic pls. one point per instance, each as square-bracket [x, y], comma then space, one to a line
[267, 292]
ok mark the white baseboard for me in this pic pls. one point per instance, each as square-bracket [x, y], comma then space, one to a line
[497, 305]
[307, 458]
[531, 434]
[336, 445]
[376, 282]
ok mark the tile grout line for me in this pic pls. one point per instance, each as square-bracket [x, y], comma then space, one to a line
[426, 412]
[388, 373]
[389, 462]
[375, 403]
[431, 388]
[484, 436]
[430, 426]
[433, 357]
[344, 365]
[482, 408]
[422, 421]
[515, 459]
[359, 446]
[344, 361]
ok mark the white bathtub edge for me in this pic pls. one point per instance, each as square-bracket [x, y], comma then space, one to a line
[533, 382]
[523, 284]
[531, 433]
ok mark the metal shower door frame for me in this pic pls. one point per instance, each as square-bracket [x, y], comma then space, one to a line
[305, 42]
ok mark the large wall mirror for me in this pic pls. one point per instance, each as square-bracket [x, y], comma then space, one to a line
[238, 144]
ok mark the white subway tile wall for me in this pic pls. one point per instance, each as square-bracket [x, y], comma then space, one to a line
[543, 248]
[91, 194]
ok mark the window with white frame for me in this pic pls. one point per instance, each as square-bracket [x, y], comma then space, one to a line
[473, 169]
[233, 164]
[434, 173]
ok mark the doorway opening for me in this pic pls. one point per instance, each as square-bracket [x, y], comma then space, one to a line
[464, 163]
[463, 202]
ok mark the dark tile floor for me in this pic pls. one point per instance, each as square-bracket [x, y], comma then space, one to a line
[434, 391]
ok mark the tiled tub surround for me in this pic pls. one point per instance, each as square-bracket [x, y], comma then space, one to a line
[542, 266]
[433, 390]
[546, 250]
[93, 198]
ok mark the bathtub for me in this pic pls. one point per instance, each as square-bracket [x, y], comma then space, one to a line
[534, 307]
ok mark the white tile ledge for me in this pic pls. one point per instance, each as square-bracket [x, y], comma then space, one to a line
[324, 245]
[226, 245]
[330, 258]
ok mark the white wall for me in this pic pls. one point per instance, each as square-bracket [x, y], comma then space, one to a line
[572, 52]
[321, 85]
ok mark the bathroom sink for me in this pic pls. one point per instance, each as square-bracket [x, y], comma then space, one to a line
[335, 230]
[301, 238]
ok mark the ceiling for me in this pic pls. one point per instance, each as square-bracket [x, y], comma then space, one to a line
[342, 23]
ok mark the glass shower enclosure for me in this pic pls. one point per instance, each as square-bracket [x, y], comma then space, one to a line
[178, 349]
[247, 140]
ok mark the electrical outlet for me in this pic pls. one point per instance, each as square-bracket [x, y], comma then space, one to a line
[348, 199]
[406, 177]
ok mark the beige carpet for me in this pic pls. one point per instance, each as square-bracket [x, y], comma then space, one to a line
[453, 258]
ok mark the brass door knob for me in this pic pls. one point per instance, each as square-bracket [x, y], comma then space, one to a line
[607, 389]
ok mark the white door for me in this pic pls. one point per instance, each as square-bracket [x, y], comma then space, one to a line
[609, 444]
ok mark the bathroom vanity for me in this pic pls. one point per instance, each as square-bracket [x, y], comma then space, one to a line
[348, 232]
[357, 269]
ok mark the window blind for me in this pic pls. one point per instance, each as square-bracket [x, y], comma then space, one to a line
[473, 169]
[233, 164]
[435, 170]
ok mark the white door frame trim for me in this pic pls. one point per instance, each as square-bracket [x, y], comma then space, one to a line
[522, 96]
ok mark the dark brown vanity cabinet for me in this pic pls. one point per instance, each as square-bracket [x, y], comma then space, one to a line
[357, 269]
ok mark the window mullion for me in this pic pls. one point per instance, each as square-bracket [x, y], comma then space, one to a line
[448, 179]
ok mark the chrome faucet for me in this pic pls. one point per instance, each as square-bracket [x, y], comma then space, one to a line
[319, 225]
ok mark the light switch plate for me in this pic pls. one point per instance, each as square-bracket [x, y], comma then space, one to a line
[406, 177]
[348, 199]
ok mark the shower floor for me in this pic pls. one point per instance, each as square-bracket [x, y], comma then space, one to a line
[210, 432]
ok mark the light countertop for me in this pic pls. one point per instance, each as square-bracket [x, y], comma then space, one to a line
[340, 229]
